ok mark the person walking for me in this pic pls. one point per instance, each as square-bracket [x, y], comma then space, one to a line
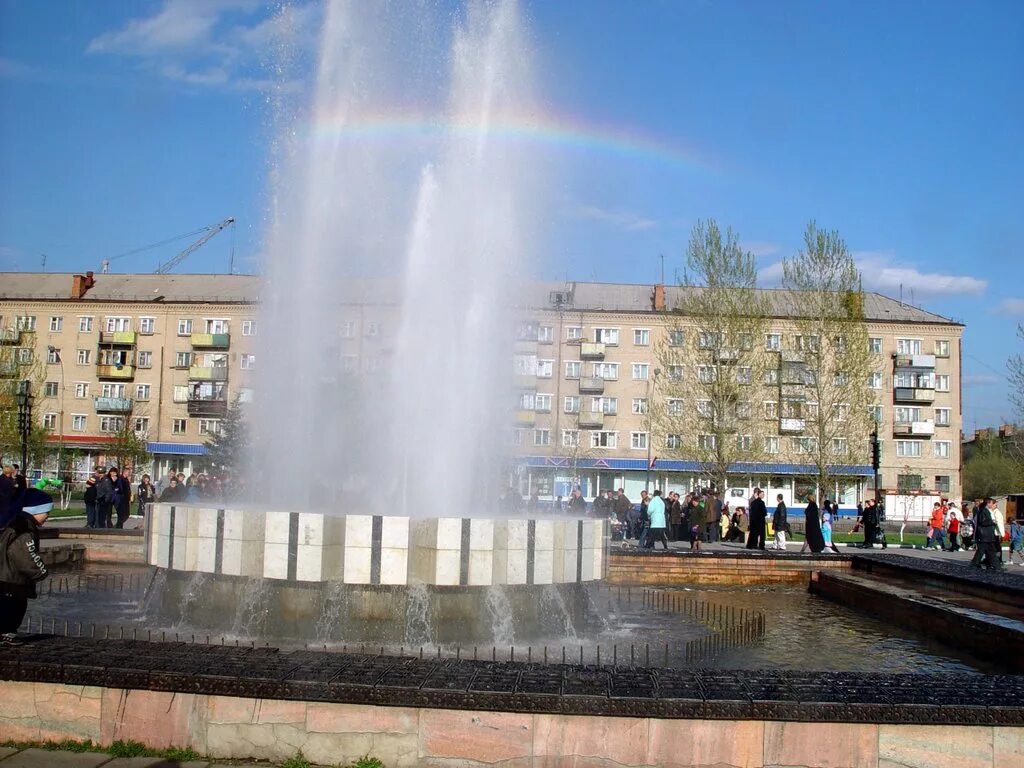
[21, 566]
[758, 518]
[1017, 541]
[780, 523]
[826, 532]
[656, 513]
[622, 507]
[813, 538]
[577, 504]
[987, 536]
[953, 527]
[92, 518]
[936, 528]
[146, 494]
[106, 488]
[123, 503]
[697, 513]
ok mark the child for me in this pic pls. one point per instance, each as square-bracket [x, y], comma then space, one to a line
[826, 532]
[1017, 541]
[20, 564]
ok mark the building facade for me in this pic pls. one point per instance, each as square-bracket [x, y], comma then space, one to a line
[169, 353]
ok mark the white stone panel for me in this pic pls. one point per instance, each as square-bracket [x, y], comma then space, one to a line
[481, 534]
[162, 551]
[276, 529]
[252, 558]
[543, 566]
[447, 570]
[394, 565]
[516, 566]
[422, 564]
[160, 519]
[588, 565]
[311, 529]
[589, 534]
[356, 564]
[449, 533]
[231, 557]
[178, 561]
[568, 572]
[206, 554]
[275, 558]
[244, 525]
[394, 533]
[499, 570]
[309, 562]
[481, 567]
[191, 517]
[358, 532]
[544, 535]
[207, 520]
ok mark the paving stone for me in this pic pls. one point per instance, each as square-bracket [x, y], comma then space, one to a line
[7, 752]
[44, 758]
[155, 762]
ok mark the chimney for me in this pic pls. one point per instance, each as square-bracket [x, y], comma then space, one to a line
[658, 298]
[80, 284]
[1007, 430]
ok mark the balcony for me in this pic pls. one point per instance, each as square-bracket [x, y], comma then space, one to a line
[591, 420]
[591, 351]
[525, 381]
[113, 404]
[525, 418]
[116, 372]
[913, 428]
[793, 391]
[208, 373]
[207, 408]
[914, 394]
[8, 369]
[10, 336]
[915, 361]
[211, 340]
[727, 355]
[119, 338]
[792, 426]
[592, 385]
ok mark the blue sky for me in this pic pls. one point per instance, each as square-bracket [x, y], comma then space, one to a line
[898, 124]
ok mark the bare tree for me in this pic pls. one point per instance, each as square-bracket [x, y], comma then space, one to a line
[18, 362]
[714, 358]
[826, 402]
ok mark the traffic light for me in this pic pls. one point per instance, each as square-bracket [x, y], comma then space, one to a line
[876, 452]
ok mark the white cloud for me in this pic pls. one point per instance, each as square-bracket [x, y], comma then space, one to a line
[760, 248]
[629, 222]
[210, 43]
[881, 272]
[980, 379]
[1010, 307]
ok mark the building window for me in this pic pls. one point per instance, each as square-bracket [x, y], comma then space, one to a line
[245, 395]
[545, 369]
[56, 324]
[50, 389]
[642, 337]
[942, 484]
[142, 391]
[543, 403]
[81, 390]
[908, 346]
[805, 445]
[178, 426]
[704, 409]
[78, 422]
[607, 371]
[348, 330]
[908, 449]
[604, 439]
[839, 446]
[942, 348]
[182, 359]
[570, 438]
[771, 376]
[709, 340]
[706, 374]
[85, 324]
[743, 409]
[113, 390]
[875, 413]
[118, 324]
[942, 383]
[26, 323]
[52, 355]
[527, 401]
[145, 360]
[773, 342]
[840, 378]
[141, 425]
[744, 375]
[609, 336]
[248, 362]
[675, 372]
[674, 406]
[942, 449]
[180, 393]
[942, 417]
[875, 345]
[771, 409]
[147, 326]
[542, 437]
[248, 327]
[638, 441]
[571, 404]
[209, 427]
[50, 421]
[111, 424]
[706, 442]
[875, 381]
[673, 442]
[84, 356]
[24, 355]
[746, 341]
[545, 334]
[373, 329]
[609, 406]
[908, 482]
[640, 371]
[807, 343]
[771, 444]
[184, 327]
[573, 368]
[639, 406]
[676, 338]
[573, 333]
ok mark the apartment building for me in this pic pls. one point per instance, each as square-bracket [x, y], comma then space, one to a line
[170, 352]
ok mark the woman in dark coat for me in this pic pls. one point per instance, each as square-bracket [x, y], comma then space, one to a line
[812, 528]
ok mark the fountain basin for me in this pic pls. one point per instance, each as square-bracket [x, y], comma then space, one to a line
[376, 549]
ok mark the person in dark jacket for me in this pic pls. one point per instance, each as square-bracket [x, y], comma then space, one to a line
[8, 490]
[577, 504]
[812, 527]
[758, 519]
[91, 515]
[21, 566]
[123, 500]
[174, 491]
[779, 523]
[146, 494]
[106, 498]
[20, 481]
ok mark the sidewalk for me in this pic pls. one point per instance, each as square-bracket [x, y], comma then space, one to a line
[47, 758]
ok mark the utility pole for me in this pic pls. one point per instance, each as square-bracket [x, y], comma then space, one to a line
[876, 459]
[662, 257]
[60, 446]
[24, 398]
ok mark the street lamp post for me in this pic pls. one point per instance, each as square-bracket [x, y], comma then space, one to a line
[650, 426]
[60, 445]
[24, 398]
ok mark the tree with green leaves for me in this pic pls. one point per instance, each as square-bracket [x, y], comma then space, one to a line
[18, 362]
[825, 401]
[992, 470]
[713, 358]
[227, 450]
[128, 450]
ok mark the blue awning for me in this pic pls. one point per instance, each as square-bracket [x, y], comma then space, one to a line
[676, 465]
[179, 449]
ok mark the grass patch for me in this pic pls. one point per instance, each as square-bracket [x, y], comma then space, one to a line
[368, 762]
[298, 761]
[117, 749]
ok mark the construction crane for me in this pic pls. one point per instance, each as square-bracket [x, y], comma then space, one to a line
[211, 232]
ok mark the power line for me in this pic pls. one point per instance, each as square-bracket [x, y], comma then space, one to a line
[158, 244]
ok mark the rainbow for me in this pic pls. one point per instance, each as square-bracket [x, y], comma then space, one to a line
[559, 131]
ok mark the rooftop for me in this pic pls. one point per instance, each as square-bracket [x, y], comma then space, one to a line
[230, 289]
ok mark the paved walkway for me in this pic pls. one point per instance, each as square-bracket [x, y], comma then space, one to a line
[46, 758]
